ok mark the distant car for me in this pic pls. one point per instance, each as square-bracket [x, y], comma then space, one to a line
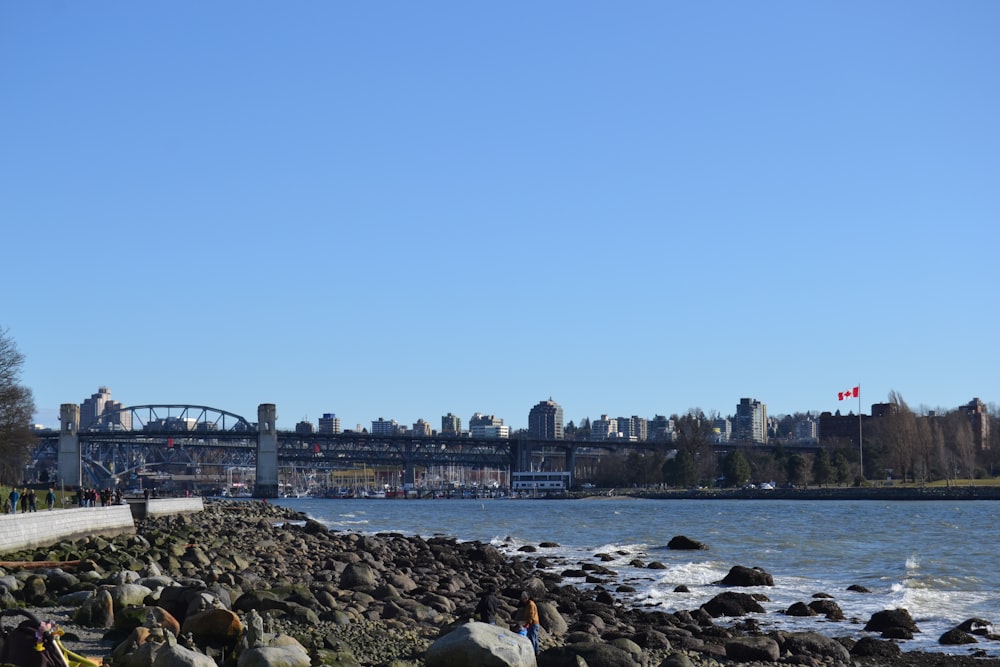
[766, 486]
[750, 487]
[587, 485]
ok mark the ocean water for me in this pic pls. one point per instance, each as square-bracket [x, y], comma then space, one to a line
[936, 559]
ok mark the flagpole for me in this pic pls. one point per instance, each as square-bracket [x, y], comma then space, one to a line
[861, 448]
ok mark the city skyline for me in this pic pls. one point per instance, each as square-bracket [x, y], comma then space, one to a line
[754, 429]
[414, 209]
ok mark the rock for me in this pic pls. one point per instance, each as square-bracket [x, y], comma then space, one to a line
[289, 655]
[812, 644]
[480, 645]
[129, 595]
[97, 612]
[799, 609]
[676, 660]
[955, 637]
[828, 608]
[732, 604]
[686, 543]
[740, 575]
[976, 626]
[887, 619]
[745, 649]
[550, 618]
[594, 654]
[357, 576]
[213, 627]
[178, 656]
[870, 647]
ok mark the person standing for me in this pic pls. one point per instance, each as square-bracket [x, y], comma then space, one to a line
[13, 498]
[488, 605]
[50, 498]
[32, 501]
[530, 619]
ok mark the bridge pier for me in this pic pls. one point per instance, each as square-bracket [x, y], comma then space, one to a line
[70, 467]
[267, 452]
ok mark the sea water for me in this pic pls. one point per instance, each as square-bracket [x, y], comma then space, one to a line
[937, 559]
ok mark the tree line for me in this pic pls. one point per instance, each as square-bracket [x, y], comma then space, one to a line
[903, 446]
[17, 407]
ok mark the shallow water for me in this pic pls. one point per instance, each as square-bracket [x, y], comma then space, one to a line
[934, 558]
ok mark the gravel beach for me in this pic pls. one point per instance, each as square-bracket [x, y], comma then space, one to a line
[382, 600]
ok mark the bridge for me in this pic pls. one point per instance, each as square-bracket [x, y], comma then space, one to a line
[146, 438]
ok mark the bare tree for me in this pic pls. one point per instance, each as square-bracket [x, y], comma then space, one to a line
[17, 405]
[901, 434]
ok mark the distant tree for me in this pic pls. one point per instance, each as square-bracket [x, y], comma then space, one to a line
[822, 468]
[841, 468]
[736, 469]
[681, 470]
[17, 406]
[798, 470]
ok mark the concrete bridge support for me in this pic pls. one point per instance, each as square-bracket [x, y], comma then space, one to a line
[267, 452]
[70, 468]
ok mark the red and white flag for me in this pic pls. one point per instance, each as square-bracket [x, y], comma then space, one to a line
[850, 393]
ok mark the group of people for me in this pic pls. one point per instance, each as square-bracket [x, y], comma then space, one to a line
[27, 500]
[527, 617]
[106, 496]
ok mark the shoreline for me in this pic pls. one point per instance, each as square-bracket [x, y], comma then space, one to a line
[385, 598]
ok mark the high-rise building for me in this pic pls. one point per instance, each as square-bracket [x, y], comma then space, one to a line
[304, 428]
[634, 428]
[329, 424]
[101, 411]
[487, 426]
[451, 425]
[422, 429]
[383, 427]
[723, 429]
[604, 428]
[751, 421]
[661, 429]
[545, 421]
[979, 420]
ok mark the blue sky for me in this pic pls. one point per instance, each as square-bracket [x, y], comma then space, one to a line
[406, 209]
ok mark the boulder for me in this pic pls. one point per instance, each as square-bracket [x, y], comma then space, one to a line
[732, 604]
[285, 655]
[814, 645]
[828, 608]
[955, 637]
[213, 626]
[870, 647]
[129, 595]
[96, 612]
[740, 575]
[888, 619]
[178, 656]
[748, 649]
[357, 575]
[681, 542]
[480, 645]
[593, 654]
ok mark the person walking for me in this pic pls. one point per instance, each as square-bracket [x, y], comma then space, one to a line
[530, 619]
[50, 498]
[13, 498]
[32, 501]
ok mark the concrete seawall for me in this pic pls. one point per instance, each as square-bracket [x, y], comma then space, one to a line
[38, 529]
[45, 527]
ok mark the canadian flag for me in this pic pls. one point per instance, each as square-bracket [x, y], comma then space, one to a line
[850, 393]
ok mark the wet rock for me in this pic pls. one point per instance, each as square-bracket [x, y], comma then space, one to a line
[955, 637]
[682, 542]
[888, 619]
[732, 604]
[870, 647]
[740, 575]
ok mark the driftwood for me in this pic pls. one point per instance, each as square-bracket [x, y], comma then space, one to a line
[33, 564]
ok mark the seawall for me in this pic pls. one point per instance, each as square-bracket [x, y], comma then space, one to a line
[44, 527]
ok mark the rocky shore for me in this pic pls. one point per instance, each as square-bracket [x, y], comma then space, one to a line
[252, 584]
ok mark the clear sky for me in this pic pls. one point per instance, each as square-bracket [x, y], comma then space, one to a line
[404, 209]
